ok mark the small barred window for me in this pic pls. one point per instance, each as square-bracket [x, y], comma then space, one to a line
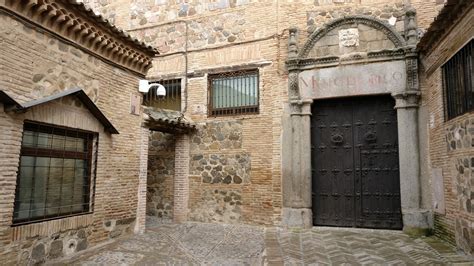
[458, 74]
[172, 99]
[54, 176]
[234, 93]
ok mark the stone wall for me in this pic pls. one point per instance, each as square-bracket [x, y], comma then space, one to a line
[450, 142]
[392, 12]
[55, 246]
[222, 206]
[36, 64]
[160, 179]
[220, 167]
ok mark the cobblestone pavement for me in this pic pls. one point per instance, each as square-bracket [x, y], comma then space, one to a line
[218, 244]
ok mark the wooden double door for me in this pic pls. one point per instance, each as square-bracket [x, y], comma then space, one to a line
[355, 165]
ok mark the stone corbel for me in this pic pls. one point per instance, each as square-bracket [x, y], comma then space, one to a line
[97, 40]
[39, 10]
[407, 99]
[50, 13]
[76, 28]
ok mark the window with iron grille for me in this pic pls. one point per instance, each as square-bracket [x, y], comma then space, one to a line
[458, 83]
[171, 101]
[233, 93]
[54, 176]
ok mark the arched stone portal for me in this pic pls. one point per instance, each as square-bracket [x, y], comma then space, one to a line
[351, 56]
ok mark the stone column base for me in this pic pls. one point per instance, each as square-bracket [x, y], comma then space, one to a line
[297, 217]
[417, 221]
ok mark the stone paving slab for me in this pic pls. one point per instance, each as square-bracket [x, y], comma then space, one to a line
[219, 244]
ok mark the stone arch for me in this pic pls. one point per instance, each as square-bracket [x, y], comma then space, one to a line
[373, 22]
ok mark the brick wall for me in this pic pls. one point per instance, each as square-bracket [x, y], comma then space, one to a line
[36, 64]
[181, 182]
[451, 146]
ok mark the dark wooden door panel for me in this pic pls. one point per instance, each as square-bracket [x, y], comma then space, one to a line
[355, 163]
[333, 164]
[376, 158]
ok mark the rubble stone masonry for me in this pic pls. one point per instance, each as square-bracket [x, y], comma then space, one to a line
[160, 179]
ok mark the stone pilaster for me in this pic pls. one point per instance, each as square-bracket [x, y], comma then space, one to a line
[297, 160]
[296, 151]
[415, 219]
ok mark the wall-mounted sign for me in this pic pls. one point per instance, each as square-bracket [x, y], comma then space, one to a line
[351, 80]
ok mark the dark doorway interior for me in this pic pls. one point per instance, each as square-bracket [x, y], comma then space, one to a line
[355, 166]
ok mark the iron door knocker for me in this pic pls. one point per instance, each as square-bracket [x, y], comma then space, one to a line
[337, 139]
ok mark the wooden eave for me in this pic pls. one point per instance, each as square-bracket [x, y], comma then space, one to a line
[452, 11]
[10, 105]
[168, 121]
[75, 22]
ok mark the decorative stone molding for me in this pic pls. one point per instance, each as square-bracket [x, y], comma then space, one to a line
[410, 29]
[348, 37]
[301, 107]
[293, 85]
[412, 72]
[292, 49]
[391, 33]
[72, 20]
[328, 61]
[406, 99]
[296, 156]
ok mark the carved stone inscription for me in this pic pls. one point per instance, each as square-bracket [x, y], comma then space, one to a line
[351, 80]
[348, 37]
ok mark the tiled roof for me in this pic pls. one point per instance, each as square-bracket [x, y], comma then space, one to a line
[168, 121]
[118, 31]
[447, 16]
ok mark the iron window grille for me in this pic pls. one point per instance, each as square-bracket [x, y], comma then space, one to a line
[171, 101]
[234, 93]
[458, 82]
[55, 172]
